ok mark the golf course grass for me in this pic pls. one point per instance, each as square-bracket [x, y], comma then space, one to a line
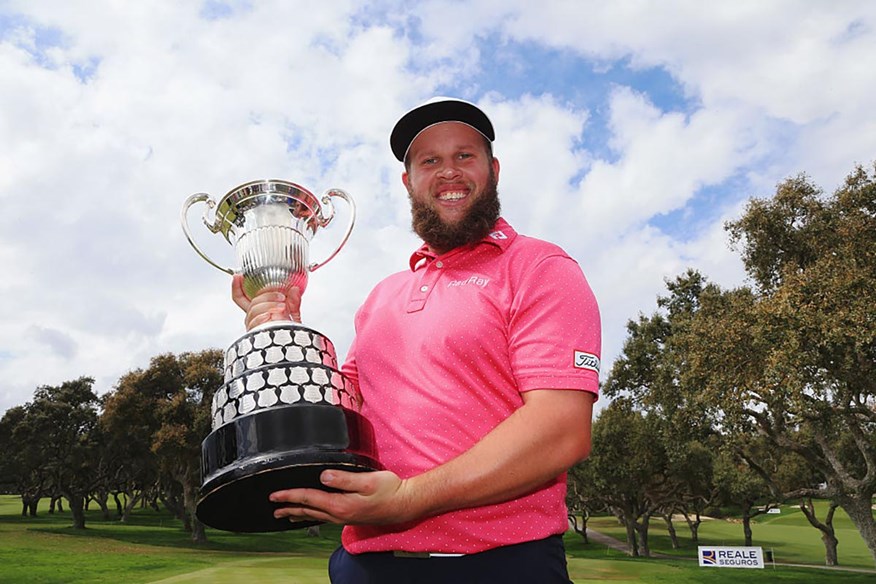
[153, 548]
[787, 534]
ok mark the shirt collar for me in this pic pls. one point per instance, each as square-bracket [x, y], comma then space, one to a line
[501, 236]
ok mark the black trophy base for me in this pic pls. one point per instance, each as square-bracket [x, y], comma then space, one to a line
[280, 448]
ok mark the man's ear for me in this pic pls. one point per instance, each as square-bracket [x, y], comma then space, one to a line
[405, 180]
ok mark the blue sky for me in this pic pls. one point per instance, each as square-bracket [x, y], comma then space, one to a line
[628, 133]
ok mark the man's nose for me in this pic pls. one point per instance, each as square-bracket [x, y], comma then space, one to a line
[448, 170]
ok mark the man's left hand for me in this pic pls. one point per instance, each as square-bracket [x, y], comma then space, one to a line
[374, 498]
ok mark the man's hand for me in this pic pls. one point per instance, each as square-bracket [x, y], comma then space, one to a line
[374, 498]
[537, 443]
[270, 304]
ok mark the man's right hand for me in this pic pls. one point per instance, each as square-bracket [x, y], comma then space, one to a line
[270, 304]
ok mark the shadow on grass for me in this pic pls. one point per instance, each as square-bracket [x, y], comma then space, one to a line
[160, 529]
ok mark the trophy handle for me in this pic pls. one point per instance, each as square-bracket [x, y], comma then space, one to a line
[183, 217]
[326, 200]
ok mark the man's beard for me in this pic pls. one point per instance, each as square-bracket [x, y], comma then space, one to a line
[477, 223]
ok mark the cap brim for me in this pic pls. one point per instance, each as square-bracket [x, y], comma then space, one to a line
[451, 110]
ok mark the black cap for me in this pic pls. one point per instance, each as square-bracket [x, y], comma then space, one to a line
[435, 111]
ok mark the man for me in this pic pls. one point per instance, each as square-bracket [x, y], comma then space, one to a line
[477, 366]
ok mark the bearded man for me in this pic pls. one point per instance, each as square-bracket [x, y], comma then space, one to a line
[478, 368]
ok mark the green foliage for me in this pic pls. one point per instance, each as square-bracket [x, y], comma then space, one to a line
[795, 358]
[158, 417]
[777, 382]
[53, 445]
[145, 443]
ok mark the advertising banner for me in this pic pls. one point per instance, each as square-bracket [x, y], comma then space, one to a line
[730, 557]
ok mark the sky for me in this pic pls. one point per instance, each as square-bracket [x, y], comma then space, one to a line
[628, 132]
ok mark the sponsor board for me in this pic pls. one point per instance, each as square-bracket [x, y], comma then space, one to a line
[730, 557]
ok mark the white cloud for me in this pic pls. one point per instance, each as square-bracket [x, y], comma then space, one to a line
[538, 159]
[113, 113]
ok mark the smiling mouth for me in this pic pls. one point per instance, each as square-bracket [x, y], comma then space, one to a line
[451, 196]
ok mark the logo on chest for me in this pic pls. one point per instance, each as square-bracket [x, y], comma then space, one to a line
[472, 281]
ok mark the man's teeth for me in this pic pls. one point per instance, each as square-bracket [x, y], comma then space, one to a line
[451, 196]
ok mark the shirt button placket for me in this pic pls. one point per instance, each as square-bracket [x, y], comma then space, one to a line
[427, 283]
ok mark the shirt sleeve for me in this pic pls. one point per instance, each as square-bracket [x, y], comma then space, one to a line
[555, 337]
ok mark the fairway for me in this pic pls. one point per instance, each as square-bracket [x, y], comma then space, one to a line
[787, 534]
[268, 570]
[154, 549]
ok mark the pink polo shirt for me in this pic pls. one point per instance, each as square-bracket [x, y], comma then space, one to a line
[442, 354]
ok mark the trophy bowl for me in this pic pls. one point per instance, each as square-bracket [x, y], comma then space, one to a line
[285, 412]
[270, 223]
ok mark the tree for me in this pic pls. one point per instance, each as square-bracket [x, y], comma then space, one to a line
[65, 417]
[186, 422]
[22, 468]
[129, 421]
[626, 470]
[739, 484]
[793, 358]
[692, 468]
[648, 373]
[159, 416]
[828, 533]
[581, 499]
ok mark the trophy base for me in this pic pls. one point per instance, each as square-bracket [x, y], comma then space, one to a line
[279, 448]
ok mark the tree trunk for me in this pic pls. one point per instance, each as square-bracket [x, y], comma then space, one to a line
[642, 532]
[129, 506]
[104, 508]
[860, 512]
[828, 534]
[199, 534]
[831, 558]
[673, 537]
[31, 505]
[632, 540]
[119, 507]
[694, 527]
[190, 501]
[77, 508]
[173, 504]
[582, 531]
[746, 523]
[629, 522]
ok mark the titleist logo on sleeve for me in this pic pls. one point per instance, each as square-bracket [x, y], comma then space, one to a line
[586, 361]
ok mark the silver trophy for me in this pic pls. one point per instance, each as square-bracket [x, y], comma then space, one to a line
[285, 412]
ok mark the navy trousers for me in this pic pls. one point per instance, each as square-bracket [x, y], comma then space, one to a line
[534, 562]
